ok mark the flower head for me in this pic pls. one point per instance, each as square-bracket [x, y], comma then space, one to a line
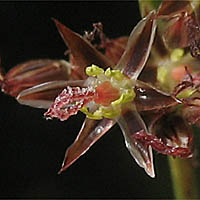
[151, 90]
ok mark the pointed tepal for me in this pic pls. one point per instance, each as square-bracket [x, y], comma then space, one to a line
[43, 95]
[131, 123]
[138, 47]
[84, 54]
[91, 131]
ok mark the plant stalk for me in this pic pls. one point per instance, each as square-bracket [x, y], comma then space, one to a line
[183, 178]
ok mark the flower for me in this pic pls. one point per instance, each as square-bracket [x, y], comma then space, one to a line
[148, 90]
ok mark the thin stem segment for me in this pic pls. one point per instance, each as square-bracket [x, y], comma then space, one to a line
[183, 178]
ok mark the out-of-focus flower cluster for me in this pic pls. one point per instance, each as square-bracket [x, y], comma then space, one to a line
[148, 83]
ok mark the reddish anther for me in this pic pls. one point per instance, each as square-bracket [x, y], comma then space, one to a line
[69, 102]
[158, 145]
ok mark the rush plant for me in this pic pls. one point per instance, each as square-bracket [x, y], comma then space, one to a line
[147, 83]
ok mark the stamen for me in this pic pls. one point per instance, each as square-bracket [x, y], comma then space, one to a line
[69, 102]
[158, 145]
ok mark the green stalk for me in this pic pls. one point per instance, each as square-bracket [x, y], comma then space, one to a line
[183, 178]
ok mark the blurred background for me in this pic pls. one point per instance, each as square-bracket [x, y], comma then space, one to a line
[31, 148]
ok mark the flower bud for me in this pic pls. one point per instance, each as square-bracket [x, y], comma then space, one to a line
[34, 72]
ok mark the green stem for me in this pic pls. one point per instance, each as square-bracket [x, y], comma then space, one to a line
[183, 178]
